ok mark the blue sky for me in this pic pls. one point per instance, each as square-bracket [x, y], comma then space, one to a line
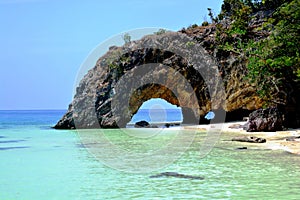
[44, 42]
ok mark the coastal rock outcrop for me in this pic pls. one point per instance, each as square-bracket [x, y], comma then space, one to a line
[108, 95]
[270, 119]
[185, 69]
[153, 67]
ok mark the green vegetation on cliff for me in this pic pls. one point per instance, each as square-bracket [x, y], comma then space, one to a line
[270, 47]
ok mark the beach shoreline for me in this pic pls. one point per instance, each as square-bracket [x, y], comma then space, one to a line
[278, 140]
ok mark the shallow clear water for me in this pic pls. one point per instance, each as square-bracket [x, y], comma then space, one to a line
[37, 162]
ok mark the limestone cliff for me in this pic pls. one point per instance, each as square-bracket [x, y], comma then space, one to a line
[187, 68]
[183, 68]
[94, 105]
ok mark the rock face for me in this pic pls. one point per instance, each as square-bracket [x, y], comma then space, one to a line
[153, 67]
[184, 69]
[67, 121]
[269, 119]
[157, 67]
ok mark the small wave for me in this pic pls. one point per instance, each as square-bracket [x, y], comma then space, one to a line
[10, 148]
[11, 141]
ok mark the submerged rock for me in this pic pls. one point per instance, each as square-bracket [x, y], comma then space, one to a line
[177, 175]
[241, 148]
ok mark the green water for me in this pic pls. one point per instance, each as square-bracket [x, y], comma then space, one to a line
[51, 164]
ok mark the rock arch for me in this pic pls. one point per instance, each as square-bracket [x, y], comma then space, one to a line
[94, 106]
[190, 113]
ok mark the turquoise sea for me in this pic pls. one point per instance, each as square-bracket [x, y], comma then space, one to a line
[158, 115]
[37, 162]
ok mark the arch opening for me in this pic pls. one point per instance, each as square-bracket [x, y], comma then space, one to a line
[158, 113]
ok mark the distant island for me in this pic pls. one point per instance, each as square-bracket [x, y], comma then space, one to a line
[253, 47]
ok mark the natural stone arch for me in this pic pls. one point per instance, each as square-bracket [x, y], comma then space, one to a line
[146, 93]
[92, 105]
[155, 81]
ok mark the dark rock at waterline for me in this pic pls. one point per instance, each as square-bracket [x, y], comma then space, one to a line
[67, 121]
[251, 139]
[177, 175]
[142, 124]
[269, 119]
[241, 148]
[292, 138]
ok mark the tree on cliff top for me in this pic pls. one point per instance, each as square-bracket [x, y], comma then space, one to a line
[272, 60]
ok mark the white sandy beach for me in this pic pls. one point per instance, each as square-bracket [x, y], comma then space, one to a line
[275, 140]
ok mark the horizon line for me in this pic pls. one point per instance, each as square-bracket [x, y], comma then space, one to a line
[50, 109]
[53, 109]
